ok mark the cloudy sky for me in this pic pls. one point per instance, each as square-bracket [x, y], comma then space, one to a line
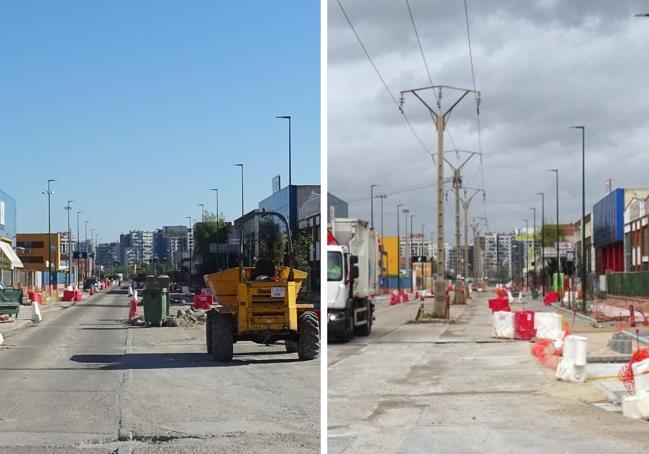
[541, 67]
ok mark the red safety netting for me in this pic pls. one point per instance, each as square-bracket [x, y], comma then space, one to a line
[545, 353]
[626, 373]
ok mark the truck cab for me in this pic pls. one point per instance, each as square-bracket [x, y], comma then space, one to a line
[352, 250]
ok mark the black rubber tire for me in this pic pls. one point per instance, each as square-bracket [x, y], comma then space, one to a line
[366, 330]
[348, 334]
[291, 345]
[308, 346]
[208, 331]
[222, 337]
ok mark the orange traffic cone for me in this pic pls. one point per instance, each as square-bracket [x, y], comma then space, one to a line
[133, 313]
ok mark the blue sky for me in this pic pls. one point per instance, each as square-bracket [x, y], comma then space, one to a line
[138, 108]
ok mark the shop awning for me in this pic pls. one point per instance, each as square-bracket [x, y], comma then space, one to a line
[10, 254]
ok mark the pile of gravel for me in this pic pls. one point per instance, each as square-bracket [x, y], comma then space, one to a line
[190, 317]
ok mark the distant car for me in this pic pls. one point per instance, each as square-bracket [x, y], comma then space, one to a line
[90, 282]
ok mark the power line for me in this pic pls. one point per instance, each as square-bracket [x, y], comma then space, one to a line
[468, 35]
[423, 57]
[385, 85]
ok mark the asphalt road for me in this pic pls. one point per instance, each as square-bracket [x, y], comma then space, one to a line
[83, 380]
[417, 388]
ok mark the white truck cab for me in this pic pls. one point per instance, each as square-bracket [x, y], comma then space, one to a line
[352, 278]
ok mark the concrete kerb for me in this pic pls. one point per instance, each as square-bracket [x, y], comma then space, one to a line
[579, 314]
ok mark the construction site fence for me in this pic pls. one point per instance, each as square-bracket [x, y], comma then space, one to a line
[628, 284]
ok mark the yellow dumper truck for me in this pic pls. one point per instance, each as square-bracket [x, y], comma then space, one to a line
[259, 304]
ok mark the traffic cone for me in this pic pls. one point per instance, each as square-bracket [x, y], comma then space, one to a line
[133, 313]
[36, 312]
[91, 291]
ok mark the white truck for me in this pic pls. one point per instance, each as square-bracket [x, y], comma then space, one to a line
[352, 278]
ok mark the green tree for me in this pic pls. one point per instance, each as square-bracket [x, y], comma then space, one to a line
[206, 233]
[549, 235]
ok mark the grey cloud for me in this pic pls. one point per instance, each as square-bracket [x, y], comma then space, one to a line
[541, 66]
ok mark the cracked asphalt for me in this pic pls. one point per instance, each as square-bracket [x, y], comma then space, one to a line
[84, 381]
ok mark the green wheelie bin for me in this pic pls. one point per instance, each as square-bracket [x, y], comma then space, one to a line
[156, 310]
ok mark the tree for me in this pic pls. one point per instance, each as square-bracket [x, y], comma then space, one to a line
[206, 233]
[549, 234]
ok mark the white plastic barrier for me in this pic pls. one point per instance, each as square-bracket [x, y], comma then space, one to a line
[641, 375]
[548, 326]
[1, 339]
[503, 325]
[637, 406]
[130, 291]
[572, 366]
[36, 313]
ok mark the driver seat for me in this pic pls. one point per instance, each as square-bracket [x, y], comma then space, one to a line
[263, 267]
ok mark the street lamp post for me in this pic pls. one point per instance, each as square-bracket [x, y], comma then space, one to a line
[423, 264]
[91, 263]
[85, 247]
[556, 174]
[372, 186]
[526, 254]
[190, 251]
[399, 205]
[216, 190]
[534, 244]
[49, 193]
[202, 205]
[584, 285]
[69, 248]
[241, 165]
[288, 117]
[412, 281]
[406, 254]
[78, 251]
[543, 237]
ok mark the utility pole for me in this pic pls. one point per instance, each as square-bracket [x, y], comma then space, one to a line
[465, 206]
[372, 186]
[457, 185]
[399, 205]
[477, 255]
[202, 205]
[584, 278]
[543, 238]
[91, 262]
[68, 208]
[288, 117]
[440, 118]
[423, 264]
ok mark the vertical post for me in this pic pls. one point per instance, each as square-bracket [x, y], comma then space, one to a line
[584, 276]
[399, 205]
[534, 244]
[558, 251]
[412, 280]
[543, 239]
[78, 250]
[440, 123]
[465, 206]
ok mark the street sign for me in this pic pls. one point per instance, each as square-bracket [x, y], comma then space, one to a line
[570, 256]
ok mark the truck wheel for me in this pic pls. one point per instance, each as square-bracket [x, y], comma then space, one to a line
[308, 345]
[222, 337]
[208, 331]
[291, 346]
[365, 330]
[348, 334]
